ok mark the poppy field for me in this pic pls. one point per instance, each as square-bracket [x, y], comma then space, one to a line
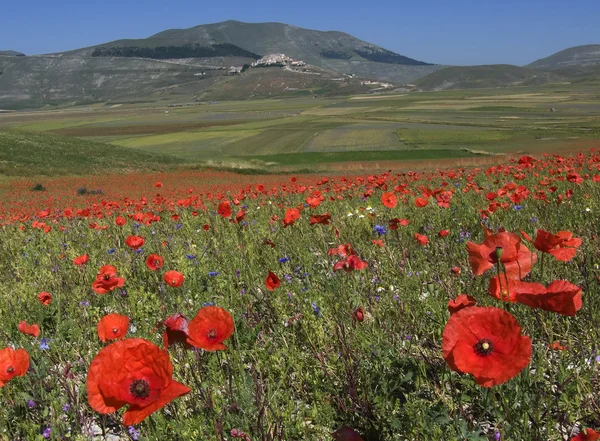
[450, 304]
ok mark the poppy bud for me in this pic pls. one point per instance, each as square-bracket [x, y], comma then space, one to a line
[359, 315]
[499, 251]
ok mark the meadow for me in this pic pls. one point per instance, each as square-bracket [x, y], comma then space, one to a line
[148, 297]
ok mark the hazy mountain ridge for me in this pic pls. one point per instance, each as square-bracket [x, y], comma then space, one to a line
[12, 54]
[586, 55]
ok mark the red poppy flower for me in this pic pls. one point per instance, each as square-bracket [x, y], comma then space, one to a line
[346, 434]
[134, 242]
[154, 262]
[224, 209]
[120, 221]
[389, 200]
[560, 296]
[359, 314]
[343, 250]
[323, 219]
[587, 435]
[504, 247]
[176, 330]
[12, 364]
[81, 260]
[422, 239]
[29, 329]
[173, 278]
[456, 270]
[291, 216]
[378, 242]
[393, 223]
[562, 245]
[507, 289]
[132, 372]
[352, 262]
[45, 298]
[210, 328]
[557, 346]
[444, 233]
[272, 281]
[487, 343]
[269, 242]
[158, 184]
[113, 327]
[107, 280]
[421, 202]
[461, 302]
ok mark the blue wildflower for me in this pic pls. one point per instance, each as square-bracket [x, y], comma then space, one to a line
[31, 404]
[208, 304]
[46, 432]
[178, 226]
[44, 344]
[112, 250]
[284, 259]
[380, 229]
[134, 433]
[214, 273]
[191, 256]
[316, 309]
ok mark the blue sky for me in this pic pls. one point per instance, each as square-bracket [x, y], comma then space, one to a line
[437, 31]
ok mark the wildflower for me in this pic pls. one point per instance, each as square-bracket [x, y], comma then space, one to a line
[444, 233]
[323, 219]
[560, 296]
[359, 314]
[422, 239]
[352, 262]
[210, 328]
[561, 245]
[133, 433]
[132, 372]
[380, 229]
[389, 200]
[461, 302]
[154, 262]
[587, 434]
[224, 209]
[45, 298]
[134, 242]
[112, 327]
[33, 330]
[81, 260]
[487, 343]
[284, 259]
[272, 281]
[316, 309]
[107, 280]
[173, 278]
[44, 346]
[291, 216]
[213, 273]
[31, 404]
[12, 363]
[421, 202]
[46, 432]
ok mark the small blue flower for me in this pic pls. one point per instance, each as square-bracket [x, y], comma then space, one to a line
[214, 273]
[237, 273]
[517, 207]
[191, 256]
[284, 259]
[139, 251]
[533, 219]
[46, 432]
[178, 226]
[66, 407]
[134, 433]
[316, 309]
[84, 303]
[380, 229]
[44, 344]
[208, 304]
[112, 250]
[31, 404]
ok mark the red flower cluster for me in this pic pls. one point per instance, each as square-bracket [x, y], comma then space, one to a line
[107, 280]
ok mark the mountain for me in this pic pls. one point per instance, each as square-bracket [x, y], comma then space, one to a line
[11, 54]
[495, 75]
[332, 50]
[196, 63]
[587, 55]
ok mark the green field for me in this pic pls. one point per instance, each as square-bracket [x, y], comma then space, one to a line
[275, 132]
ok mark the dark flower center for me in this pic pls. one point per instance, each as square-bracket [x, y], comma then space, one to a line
[140, 389]
[106, 277]
[10, 370]
[115, 330]
[211, 334]
[484, 347]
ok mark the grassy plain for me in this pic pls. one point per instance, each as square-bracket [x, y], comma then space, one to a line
[273, 133]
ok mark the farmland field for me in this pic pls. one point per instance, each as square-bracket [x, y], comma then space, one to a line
[420, 267]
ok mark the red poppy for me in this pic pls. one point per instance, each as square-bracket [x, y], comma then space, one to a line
[132, 372]
[456, 270]
[113, 327]
[154, 262]
[12, 364]
[444, 233]
[81, 260]
[507, 289]
[346, 434]
[120, 221]
[33, 330]
[291, 216]
[343, 250]
[134, 242]
[107, 280]
[158, 184]
[224, 209]
[557, 346]
[422, 239]
[272, 281]
[240, 215]
[176, 330]
[269, 242]
[421, 202]
[359, 314]
[210, 328]
[560, 296]
[378, 242]
[461, 302]
[45, 298]
[587, 435]
[562, 245]
[487, 343]
[173, 278]
[393, 223]
[504, 247]
[389, 200]
[352, 262]
[323, 219]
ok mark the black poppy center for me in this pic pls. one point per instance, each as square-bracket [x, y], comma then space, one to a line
[106, 277]
[115, 330]
[10, 370]
[211, 334]
[140, 389]
[484, 347]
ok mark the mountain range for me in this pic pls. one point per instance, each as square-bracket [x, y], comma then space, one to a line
[214, 61]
